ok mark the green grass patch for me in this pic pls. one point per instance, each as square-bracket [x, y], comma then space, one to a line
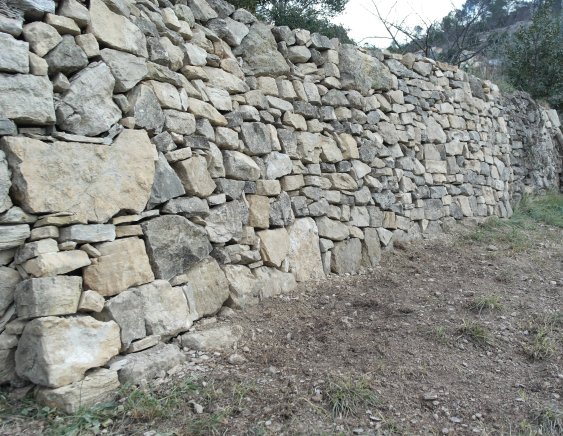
[475, 333]
[349, 397]
[546, 208]
[482, 303]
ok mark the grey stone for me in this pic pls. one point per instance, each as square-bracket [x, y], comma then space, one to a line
[55, 351]
[207, 288]
[304, 253]
[277, 165]
[87, 108]
[239, 166]
[32, 9]
[201, 10]
[12, 26]
[243, 286]
[332, 229]
[187, 206]
[66, 57]
[371, 248]
[144, 106]
[274, 282]
[116, 178]
[164, 309]
[214, 338]
[5, 184]
[27, 99]
[222, 7]
[281, 213]
[257, 138]
[47, 296]
[90, 301]
[195, 176]
[174, 244]
[224, 222]
[347, 256]
[179, 122]
[166, 185]
[361, 71]
[87, 233]
[14, 56]
[13, 236]
[229, 30]
[7, 127]
[76, 11]
[127, 69]
[52, 264]
[149, 364]
[9, 278]
[126, 309]
[7, 365]
[99, 386]
[116, 31]
[260, 53]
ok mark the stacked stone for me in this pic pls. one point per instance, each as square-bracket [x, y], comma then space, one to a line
[160, 160]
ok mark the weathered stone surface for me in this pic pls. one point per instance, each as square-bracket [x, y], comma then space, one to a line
[52, 264]
[277, 165]
[126, 309]
[55, 352]
[195, 177]
[274, 246]
[98, 386]
[201, 10]
[166, 185]
[274, 282]
[7, 366]
[5, 184]
[116, 31]
[27, 99]
[87, 107]
[53, 177]
[225, 222]
[371, 248]
[361, 71]
[87, 233]
[258, 211]
[221, 79]
[90, 301]
[229, 30]
[304, 254]
[48, 296]
[207, 288]
[239, 166]
[73, 9]
[145, 108]
[257, 138]
[123, 263]
[214, 338]
[127, 69]
[174, 244]
[13, 236]
[243, 286]
[9, 278]
[260, 53]
[347, 256]
[281, 213]
[179, 122]
[66, 57]
[148, 364]
[42, 38]
[14, 56]
[187, 206]
[201, 109]
[165, 309]
[434, 131]
[32, 9]
[332, 229]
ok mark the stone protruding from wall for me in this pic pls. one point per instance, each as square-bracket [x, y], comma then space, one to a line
[160, 160]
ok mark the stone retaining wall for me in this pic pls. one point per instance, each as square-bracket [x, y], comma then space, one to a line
[163, 159]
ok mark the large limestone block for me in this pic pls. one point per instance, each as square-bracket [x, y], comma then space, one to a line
[87, 107]
[165, 309]
[116, 31]
[123, 263]
[239, 166]
[195, 176]
[9, 278]
[42, 37]
[207, 288]
[14, 56]
[93, 181]
[127, 69]
[87, 233]
[347, 256]
[13, 236]
[229, 30]
[332, 229]
[31, 9]
[52, 264]
[221, 79]
[214, 338]
[148, 364]
[361, 71]
[67, 57]
[258, 211]
[225, 222]
[304, 254]
[201, 109]
[174, 244]
[55, 352]
[48, 296]
[260, 53]
[274, 282]
[126, 309]
[27, 99]
[274, 246]
[243, 286]
[257, 138]
[99, 386]
[371, 248]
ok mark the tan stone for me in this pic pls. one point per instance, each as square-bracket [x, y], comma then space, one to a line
[274, 246]
[123, 263]
[304, 254]
[258, 211]
[207, 288]
[52, 264]
[195, 176]
[204, 110]
[91, 301]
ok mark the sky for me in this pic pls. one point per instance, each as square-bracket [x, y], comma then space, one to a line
[360, 16]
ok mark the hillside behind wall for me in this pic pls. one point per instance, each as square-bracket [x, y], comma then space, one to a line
[162, 159]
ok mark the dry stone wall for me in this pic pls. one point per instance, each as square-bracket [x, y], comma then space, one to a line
[163, 159]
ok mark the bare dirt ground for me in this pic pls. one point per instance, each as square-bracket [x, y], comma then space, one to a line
[461, 335]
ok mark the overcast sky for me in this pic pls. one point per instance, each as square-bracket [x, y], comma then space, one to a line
[360, 16]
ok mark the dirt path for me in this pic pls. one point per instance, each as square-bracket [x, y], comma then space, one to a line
[445, 337]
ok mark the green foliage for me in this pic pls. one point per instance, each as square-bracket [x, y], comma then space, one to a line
[475, 332]
[489, 302]
[313, 15]
[349, 397]
[535, 56]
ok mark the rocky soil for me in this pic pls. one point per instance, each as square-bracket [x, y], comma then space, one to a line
[419, 345]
